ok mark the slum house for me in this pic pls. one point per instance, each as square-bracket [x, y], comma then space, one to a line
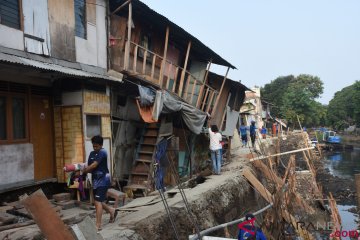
[162, 61]
[54, 87]
[252, 110]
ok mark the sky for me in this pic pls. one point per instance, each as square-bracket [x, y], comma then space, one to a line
[265, 39]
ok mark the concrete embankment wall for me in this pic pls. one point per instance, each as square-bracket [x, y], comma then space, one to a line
[221, 198]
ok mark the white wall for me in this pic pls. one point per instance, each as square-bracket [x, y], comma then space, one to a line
[86, 49]
[101, 33]
[92, 50]
[17, 163]
[11, 38]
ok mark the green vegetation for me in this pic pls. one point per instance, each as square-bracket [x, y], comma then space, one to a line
[295, 96]
[344, 108]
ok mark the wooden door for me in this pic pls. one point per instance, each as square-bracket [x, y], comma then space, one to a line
[42, 137]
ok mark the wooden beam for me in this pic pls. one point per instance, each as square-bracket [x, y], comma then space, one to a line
[121, 6]
[127, 46]
[203, 85]
[283, 153]
[267, 172]
[135, 58]
[225, 109]
[210, 100]
[164, 57]
[184, 69]
[220, 92]
[258, 186]
[193, 92]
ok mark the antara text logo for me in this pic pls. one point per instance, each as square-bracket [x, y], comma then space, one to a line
[323, 227]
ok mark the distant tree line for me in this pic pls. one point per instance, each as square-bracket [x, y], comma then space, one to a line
[295, 97]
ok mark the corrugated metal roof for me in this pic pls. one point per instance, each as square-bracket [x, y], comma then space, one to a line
[9, 58]
[220, 78]
[177, 34]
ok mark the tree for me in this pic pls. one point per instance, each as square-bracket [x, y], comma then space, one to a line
[295, 97]
[344, 108]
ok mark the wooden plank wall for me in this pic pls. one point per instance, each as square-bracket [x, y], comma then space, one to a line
[62, 24]
[91, 11]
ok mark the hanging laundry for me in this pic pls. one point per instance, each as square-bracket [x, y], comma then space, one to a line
[160, 160]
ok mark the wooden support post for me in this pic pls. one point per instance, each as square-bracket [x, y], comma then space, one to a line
[203, 104]
[203, 85]
[357, 185]
[220, 92]
[168, 79]
[119, 8]
[224, 113]
[210, 100]
[144, 62]
[135, 58]
[279, 154]
[184, 69]
[127, 46]
[258, 186]
[193, 92]
[164, 57]
[175, 78]
[153, 66]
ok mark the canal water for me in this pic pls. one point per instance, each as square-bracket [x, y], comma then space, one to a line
[345, 164]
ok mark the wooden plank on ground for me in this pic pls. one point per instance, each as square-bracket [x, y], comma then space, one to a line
[46, 217]
[258, 186]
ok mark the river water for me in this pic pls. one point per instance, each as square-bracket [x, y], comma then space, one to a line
[345, 164]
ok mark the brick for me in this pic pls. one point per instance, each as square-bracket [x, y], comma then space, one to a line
[67, 204]
[61, 197]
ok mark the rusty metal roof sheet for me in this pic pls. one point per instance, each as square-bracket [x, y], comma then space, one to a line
[177, 33]
[79, 70]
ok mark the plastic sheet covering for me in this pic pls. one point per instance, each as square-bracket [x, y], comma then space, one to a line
[192, 117]
[147, 96]
[231, 120]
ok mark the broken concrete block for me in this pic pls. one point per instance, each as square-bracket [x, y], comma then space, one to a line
[61, 197]
[67, 204]
[6, 218]
[86, 230]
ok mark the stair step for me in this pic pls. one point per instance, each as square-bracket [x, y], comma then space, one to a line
[135, 186]
[148, 144]
[150, 135]
[140, 174]
[145, 152]
[144, 160]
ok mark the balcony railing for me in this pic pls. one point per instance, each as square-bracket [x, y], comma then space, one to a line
[167, 75]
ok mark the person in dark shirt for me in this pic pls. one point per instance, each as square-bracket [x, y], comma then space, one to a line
[253, 133]
[97, 166]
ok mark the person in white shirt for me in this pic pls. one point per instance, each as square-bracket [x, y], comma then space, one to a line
[215, 147]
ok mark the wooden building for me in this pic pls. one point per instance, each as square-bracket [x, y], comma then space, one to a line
[54, 87]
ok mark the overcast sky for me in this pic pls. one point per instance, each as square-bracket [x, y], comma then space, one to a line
[265, 39]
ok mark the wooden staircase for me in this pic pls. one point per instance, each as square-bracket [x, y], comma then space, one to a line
[140, 180]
